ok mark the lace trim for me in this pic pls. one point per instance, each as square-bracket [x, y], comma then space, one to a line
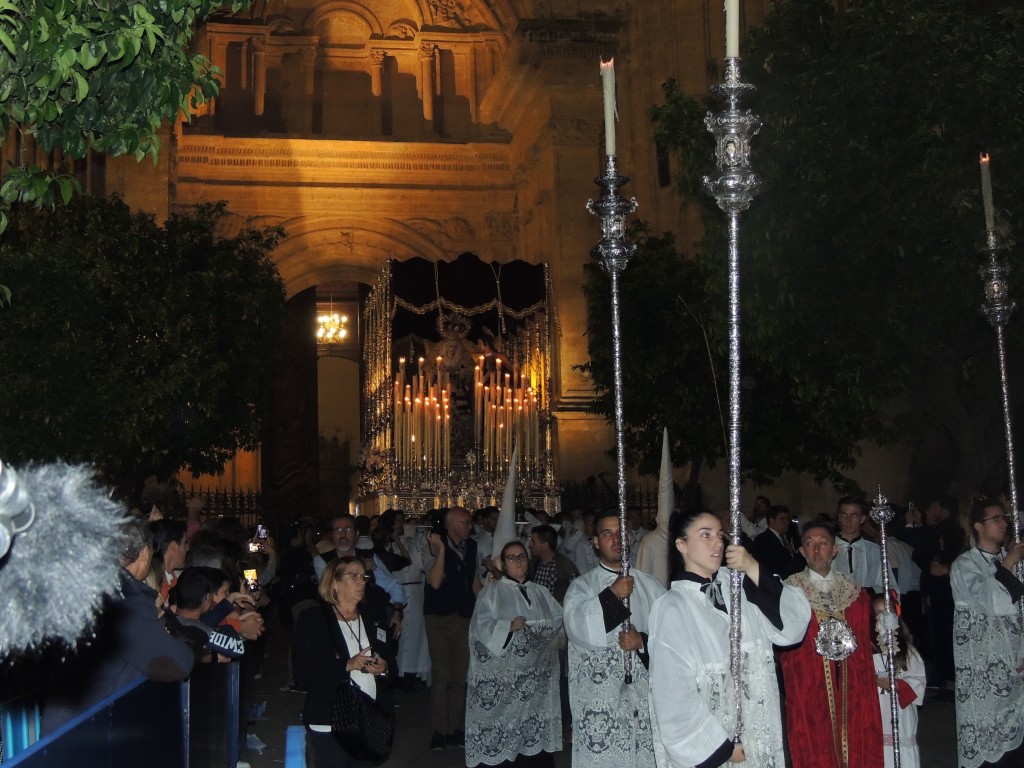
[832, 603]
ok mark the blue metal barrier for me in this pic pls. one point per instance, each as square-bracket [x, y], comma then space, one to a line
[210, 698]
[162, 725]
[140, 722]
[19, 725]
[295, 747]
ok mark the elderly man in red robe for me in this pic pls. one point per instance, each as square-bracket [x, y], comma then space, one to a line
[831, 697]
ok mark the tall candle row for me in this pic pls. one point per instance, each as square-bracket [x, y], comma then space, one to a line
[422, 430]
[506, 412]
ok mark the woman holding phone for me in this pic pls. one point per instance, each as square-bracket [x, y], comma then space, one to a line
[341, 639]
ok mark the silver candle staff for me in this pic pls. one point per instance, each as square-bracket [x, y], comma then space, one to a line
[614, 252]
[882, 514]
[733, 189]
[997, 308]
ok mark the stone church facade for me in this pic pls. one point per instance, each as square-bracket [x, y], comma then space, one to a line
[371, 129]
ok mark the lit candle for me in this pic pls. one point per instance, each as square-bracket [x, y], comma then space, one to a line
[732, 29]
[986, 193]
[608, 87]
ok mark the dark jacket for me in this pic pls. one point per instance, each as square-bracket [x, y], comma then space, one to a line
[455, 595]
[565, 572]
[319, 656]
[772, 555]
[131, 642]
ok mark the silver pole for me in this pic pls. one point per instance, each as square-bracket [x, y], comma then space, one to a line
[733, 190]
[882, 514]
[997, 308]
[614, 252]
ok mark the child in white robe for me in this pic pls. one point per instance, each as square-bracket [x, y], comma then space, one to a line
[910, 685]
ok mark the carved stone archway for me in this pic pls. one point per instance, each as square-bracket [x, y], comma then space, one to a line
[317, 250]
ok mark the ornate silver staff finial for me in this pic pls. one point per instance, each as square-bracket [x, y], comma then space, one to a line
[882, 514]
[614, 252]
[733, 189]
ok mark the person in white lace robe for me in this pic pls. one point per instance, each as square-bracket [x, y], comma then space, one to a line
[988, 646]
[512, 707]
[693, 715]
[611, 718]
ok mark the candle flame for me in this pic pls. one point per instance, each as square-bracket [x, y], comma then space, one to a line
[607, 64]
[983, 157]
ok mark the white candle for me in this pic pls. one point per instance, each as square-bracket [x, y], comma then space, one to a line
[732, 29]
[986, 193]
[608, 87]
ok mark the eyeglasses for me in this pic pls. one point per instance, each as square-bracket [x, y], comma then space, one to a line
[996, 518]
[462, 522]
[344, 529]
[353, 576]
[517, 558]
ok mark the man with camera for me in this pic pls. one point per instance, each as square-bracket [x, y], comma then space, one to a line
[452, 580]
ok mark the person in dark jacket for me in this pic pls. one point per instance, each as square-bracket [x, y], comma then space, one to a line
[452, 567]
[131, 642]
[773, 548]
[343, 639]
[548, 567]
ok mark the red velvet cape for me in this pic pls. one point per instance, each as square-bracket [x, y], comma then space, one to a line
[808, 721]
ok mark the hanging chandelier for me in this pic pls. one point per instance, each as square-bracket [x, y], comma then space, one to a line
[330, 327]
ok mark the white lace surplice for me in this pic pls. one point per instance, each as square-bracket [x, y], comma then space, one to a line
[611, 720]
[691, 690]
[988, 649]
[910, 756]
[512, 704]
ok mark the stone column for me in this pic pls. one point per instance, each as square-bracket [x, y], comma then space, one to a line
[308, 58]
[219, 59]
[427, 53]
[376, 70]
[259, 74]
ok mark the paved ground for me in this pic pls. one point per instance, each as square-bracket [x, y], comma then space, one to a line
[936, 734]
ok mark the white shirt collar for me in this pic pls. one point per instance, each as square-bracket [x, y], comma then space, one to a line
[822, 583]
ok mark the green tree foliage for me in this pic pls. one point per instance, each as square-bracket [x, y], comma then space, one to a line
[859, 278]
[80, 75]
[136, 347]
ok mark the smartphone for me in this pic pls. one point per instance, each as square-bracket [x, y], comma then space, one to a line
[250, 578]
[254, 547]
[261, 532]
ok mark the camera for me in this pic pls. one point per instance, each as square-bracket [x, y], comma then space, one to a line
[437, 524]
[261, 532]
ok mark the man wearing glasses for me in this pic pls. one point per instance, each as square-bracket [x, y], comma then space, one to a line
[449, 596]
[343, 535]
[988, 644]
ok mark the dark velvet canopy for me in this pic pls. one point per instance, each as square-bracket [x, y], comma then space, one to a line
[495, 298]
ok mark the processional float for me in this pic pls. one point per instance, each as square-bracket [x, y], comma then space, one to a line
[456, 375]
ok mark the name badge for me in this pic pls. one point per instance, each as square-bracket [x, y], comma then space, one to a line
[382, 635]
